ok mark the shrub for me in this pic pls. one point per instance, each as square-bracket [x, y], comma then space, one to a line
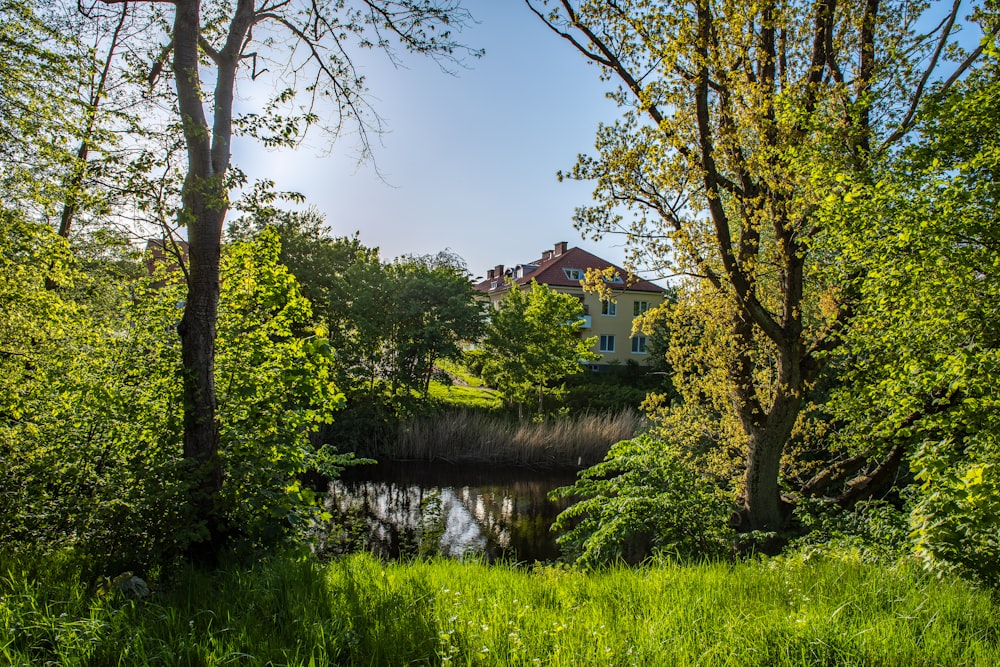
[90, 413]
[875, 530]
[956, 518]
[645, 498]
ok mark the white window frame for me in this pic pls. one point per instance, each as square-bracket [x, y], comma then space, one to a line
[609, 308]
[606, 343]
[639, 345]
[639, 307]
[573, 274]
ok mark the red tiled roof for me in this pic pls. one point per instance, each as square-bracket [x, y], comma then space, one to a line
[550, 272]
[163, 252]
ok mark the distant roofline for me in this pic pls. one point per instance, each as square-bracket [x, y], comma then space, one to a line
[549, 271]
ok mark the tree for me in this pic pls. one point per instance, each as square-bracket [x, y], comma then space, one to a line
[434, 310]
[739, 119]
[88, 417]
[75, 145]
[922, 356]
[325, 266]
[387, 321]
[95, 91]
[236, 43]
[532, 339]
[38, 108]
[277, 386]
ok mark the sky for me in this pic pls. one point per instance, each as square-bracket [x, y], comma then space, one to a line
[469, 161]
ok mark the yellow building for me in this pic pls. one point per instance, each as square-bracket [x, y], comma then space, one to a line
[562, 269]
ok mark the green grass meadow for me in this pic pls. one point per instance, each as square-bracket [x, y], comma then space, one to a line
[360, 611]
[476, 398]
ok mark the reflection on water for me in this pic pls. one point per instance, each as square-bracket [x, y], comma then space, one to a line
[402, 510]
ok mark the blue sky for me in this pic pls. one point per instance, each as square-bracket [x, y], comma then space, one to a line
[469, 161]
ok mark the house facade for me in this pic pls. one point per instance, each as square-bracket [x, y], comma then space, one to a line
[563, 269]
[168, 256]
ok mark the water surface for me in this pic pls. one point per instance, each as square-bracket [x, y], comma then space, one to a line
[400, 510]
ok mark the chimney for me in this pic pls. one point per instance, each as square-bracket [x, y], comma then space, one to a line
[491, 274]
[498, 272]
[546, 254]
[560, 248]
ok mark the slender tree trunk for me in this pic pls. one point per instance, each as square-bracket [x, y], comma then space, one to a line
[204, 205]
[201, 430]
[75, 181]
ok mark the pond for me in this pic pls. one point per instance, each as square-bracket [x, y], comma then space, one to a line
[400, 510]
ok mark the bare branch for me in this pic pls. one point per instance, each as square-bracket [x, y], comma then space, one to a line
[347, 100]
[908, 119]
[208, 49]
[590, 55]
[961, 69]
[272, 7]
[157, 67]
[125, 2]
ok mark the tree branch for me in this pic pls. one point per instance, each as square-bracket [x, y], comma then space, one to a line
[157, 67]
[208, 49]
[742, 283]
[907, 122]
[607, 57]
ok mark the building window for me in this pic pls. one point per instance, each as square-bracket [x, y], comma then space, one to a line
[639, 345]
[640, 307]
[609, 308]
[607, 343]
[574, 274]
[615, 280]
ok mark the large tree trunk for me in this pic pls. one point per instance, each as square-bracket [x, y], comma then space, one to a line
[768, 426]
[763, 507]
[767, 430]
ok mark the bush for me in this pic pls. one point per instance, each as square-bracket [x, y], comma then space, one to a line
[90, 408]
[645, 498]
[617, 388]
[956, 518]
[876, 530]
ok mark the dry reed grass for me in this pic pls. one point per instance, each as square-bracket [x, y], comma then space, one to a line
[466, 436]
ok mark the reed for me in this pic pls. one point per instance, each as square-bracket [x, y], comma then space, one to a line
[468, 436]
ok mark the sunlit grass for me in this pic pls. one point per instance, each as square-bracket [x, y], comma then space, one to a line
[460, 372]
[359, 611]
[466, 397]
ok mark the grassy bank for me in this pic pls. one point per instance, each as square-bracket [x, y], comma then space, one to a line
[359, 611]
[468, 436]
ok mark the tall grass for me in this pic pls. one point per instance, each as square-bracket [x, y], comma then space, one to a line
[360, 611]
[467, 436]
